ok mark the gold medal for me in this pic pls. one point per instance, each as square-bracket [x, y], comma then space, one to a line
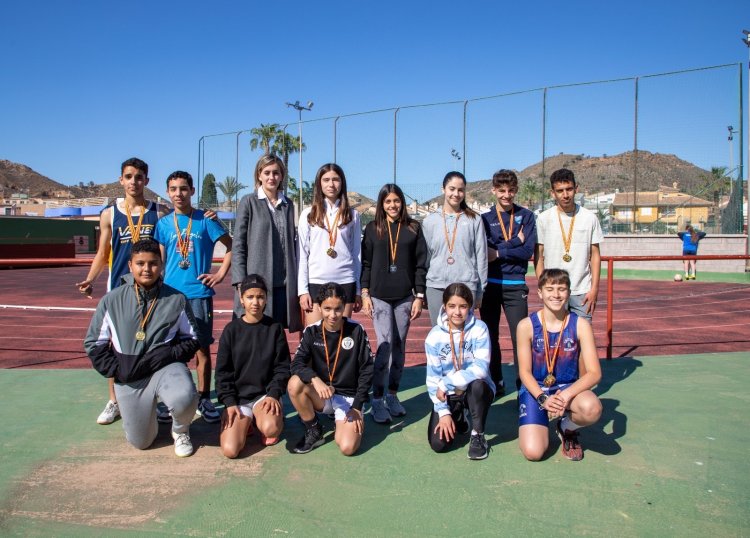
[183, 246]
[135, 229]
[550, 379]
[140, 334]
[332, 230]
[567, 239]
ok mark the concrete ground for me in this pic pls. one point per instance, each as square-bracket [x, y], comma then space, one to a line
[668, 458]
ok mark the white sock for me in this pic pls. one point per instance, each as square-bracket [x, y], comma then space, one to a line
[474, 432]
[567, 424]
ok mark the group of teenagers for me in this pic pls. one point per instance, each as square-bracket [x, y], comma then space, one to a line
[312, 277]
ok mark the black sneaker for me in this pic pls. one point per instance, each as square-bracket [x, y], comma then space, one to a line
[313, 438]
[478, 449]
[499, 389]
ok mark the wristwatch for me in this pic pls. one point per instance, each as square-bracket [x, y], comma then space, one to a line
[542, 398]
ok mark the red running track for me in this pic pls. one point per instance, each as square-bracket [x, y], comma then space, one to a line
[43, 319]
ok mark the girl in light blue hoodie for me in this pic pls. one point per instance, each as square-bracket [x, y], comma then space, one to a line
[458, 380]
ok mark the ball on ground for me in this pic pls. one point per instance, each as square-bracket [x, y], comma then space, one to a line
[678, 277]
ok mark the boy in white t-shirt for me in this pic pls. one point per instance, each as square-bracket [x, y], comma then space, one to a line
[568, 237]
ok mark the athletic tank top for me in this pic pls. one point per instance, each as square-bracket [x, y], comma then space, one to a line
[566, 367]
[119, 253]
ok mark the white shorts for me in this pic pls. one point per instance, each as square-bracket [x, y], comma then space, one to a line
[338, 405]
[247, 409]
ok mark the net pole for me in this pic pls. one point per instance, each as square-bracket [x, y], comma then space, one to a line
[610, 305]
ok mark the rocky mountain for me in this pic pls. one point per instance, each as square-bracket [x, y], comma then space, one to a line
[606, 173]
[19, 178]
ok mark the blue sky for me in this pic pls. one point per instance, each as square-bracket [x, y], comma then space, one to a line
[88, 84]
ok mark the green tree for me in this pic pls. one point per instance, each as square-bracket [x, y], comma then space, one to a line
[294, 192]
[209, 196]
[530, 193]
[264, 136]
[285, 145]
[230, 188]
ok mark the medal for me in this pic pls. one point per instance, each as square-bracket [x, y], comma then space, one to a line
[550, 379]
[332, 373]
[140, 334]
[458, 359]
[451, 242]
[183, 246]
[393, 245]
[567, 240]
[332, 233]
[507, 234]
[135, 230]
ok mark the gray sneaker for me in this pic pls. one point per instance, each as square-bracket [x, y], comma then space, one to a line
[380, 412]
[394, 405]
[110, 413]
[182, 445]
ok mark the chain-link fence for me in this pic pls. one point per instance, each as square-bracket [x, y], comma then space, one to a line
[650, 153]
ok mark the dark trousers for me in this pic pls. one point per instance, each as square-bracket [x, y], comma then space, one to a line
[477, 398]
[513, 301]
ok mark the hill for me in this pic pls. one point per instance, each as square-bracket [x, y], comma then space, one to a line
[19, 178]
[606, 173]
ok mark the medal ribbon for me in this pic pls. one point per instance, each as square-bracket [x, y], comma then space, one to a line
[144, 319]
[450, 242]
[569, 239]
[183, 246]
[332, 230]
[393, 246]
[551, 362]
[135, 231]
[332, 373]
[507, 235]
[458, 361]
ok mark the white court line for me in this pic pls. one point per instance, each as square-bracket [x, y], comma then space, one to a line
[746, 324]
[71, 308]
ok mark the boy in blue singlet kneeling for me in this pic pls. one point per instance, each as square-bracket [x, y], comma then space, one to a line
[551, 345]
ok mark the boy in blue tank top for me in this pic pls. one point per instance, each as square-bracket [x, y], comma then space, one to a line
[551, 345]
[121, 224]
[187, 240]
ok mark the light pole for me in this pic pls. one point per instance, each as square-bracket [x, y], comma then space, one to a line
[299, 108]
[746, 41]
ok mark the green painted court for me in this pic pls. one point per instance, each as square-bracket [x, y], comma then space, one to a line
[668, 458]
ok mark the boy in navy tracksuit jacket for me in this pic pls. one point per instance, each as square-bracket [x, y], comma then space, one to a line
[511, 237]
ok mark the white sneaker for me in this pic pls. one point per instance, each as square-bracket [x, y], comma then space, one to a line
[110, 413]
[394, 405]
[380, 412]
[182, 445]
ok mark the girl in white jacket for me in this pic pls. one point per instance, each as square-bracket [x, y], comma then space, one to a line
[458, 380]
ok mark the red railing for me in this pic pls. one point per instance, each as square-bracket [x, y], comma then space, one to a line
[610, 279]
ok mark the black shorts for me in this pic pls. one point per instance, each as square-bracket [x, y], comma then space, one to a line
[350, 291]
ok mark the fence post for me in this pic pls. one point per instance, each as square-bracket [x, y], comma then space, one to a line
[610, 305]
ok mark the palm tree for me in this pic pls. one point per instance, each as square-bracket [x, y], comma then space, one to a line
[530, 193]
[263, 136]
[230, 187]
[294, 191]
[284, 145]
